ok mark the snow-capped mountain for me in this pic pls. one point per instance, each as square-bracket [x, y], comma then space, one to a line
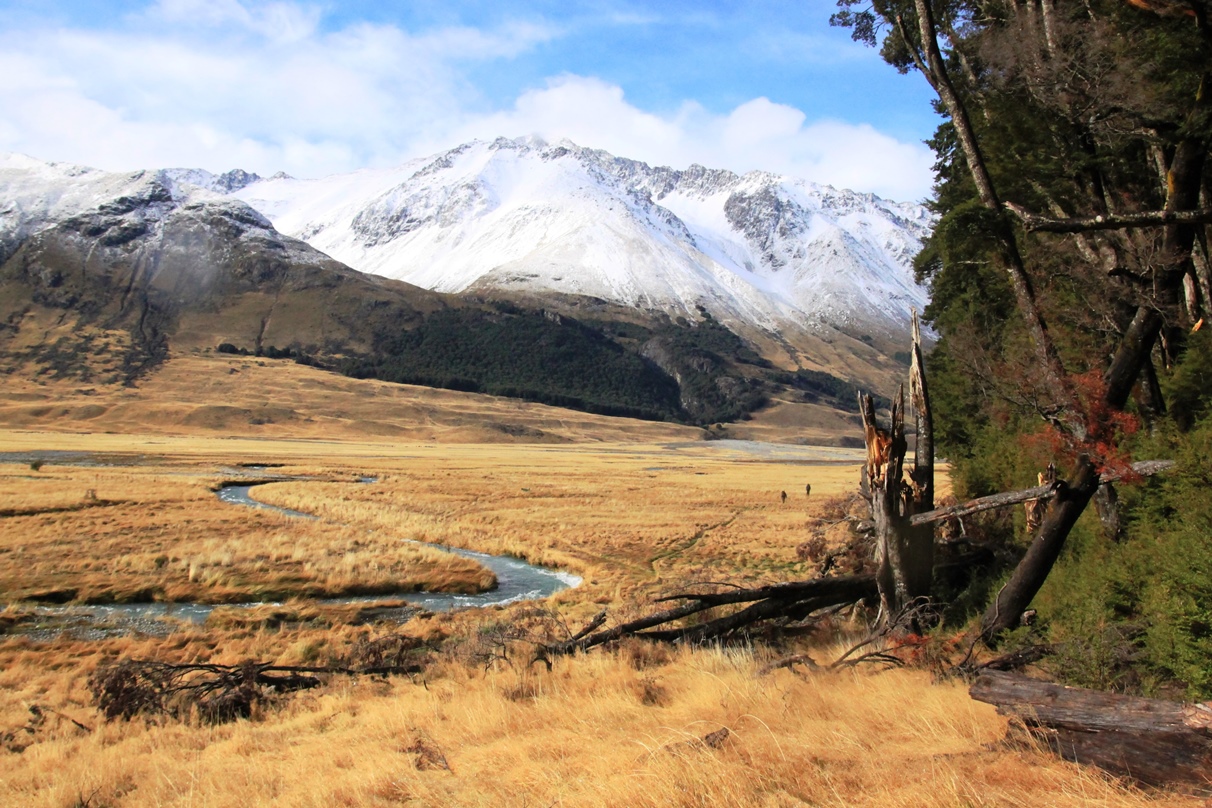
[523, 215]
[131, 209]
[127, 263]
[126, 269]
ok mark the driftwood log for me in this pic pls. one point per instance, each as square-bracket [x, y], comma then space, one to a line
[1152, 741]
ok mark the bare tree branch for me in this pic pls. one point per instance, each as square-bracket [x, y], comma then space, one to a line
[1035, 223]
[1145, 468]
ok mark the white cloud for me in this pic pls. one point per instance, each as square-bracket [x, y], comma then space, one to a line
[263, 86]
[284, 22]
[757, 135]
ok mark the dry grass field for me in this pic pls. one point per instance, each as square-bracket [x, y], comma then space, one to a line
[217, 394]
[140, 533]
[634, 515]
[204, 393]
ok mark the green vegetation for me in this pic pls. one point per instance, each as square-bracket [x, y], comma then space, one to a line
[1071, 112]
[672, 373]
[1137, 613]
[545, 358]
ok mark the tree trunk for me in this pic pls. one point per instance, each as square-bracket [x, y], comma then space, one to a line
[900, 553]
[1065, 404]
[1156, 742]
[920, 561]
[904, 551]
[885, 457]
[1183, 185]
[1029, 575]
[1106, 501]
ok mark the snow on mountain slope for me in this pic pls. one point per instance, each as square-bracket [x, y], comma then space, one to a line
[164, 210]
[523, 215]
[35, 195]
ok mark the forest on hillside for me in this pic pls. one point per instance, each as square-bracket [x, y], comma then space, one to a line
[1070, 285]
[699, 373]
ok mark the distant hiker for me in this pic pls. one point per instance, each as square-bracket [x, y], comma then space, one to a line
[784, 495]
[808, 490]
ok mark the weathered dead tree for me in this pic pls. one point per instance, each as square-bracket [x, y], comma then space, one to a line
[1155, 742]
[904, 551]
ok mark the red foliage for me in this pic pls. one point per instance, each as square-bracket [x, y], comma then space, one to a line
[933, 652]
[1106, 428]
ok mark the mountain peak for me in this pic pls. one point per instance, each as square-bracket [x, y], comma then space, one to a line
[524, 215]
[225, 183]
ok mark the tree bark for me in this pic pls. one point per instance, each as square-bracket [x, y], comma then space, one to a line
[1106, 502]
[904, 554]
[1029, 575]
[920, 560]
[1144, 468]
[1155, 742]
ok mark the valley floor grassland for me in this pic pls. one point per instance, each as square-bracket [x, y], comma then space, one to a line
[619, 726]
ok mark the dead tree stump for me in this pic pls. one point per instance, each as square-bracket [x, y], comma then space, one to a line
[904, 551]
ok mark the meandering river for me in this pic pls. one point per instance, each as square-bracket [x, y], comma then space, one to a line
[516, 581]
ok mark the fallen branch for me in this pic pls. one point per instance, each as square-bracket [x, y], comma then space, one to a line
[623, 629]
[848, 586]
[911, 613]
[1145, 468]
[792, 601]
[789, 663]
[217, 693]
[762, 610]
[1017, 659]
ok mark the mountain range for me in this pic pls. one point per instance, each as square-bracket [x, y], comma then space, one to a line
[757, 250]
[515, 267]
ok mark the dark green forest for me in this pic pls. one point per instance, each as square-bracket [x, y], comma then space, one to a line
[1069, 276]
[523, 355]
[672, 372]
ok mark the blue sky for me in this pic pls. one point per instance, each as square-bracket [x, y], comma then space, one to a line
[316, 88]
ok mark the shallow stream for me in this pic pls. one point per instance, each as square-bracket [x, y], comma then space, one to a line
[516, 581]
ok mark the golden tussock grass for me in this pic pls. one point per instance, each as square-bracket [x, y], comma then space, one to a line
[102, 534]
[598, 730]
[208, 394]
[624, 726]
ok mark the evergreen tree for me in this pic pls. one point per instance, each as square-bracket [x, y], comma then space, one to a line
[1070, 260]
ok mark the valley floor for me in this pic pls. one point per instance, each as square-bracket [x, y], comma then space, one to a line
[120, 515]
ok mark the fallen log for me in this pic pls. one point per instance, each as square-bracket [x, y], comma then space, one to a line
[793, 601]
[762, 610]
[1153, 741]
[585, 642]
[846, 586]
